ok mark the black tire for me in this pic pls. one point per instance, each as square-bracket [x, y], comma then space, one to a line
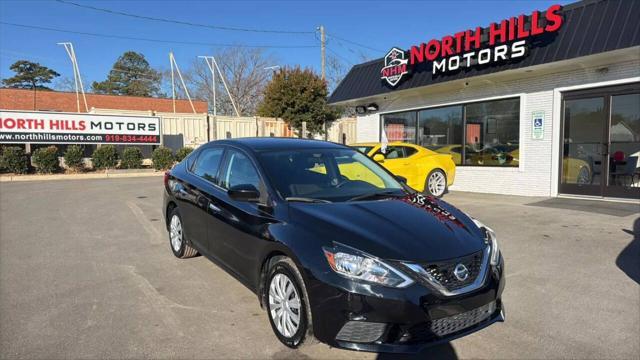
[304, 334]
[184, 250]
[430, 176]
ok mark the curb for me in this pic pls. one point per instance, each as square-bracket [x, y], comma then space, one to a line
[106, 175]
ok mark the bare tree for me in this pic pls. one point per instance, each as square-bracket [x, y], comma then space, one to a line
[245, 74]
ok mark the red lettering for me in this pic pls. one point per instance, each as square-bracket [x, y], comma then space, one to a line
[21, 123]
[554, 20]
[54, 124]
[495, 32]
[472, 37]
[535, 25]
[447, 43]
[458, 37]
[417, 54]
[38, 124]
[522, 31]
[432, 54]
[512, 29]
[82, 125]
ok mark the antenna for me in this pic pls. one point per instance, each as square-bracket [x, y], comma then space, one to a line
[172, 59]
[76, 74]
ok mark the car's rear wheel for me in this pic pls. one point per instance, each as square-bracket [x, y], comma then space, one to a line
[436, 183]
[177, 240]
[287, 304]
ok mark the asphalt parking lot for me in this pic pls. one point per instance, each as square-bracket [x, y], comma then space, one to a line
[86, 272]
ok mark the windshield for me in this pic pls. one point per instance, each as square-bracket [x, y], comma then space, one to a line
[326, 174]
[363, 149]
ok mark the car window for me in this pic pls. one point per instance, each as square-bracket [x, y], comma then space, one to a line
[408, 151]
[393, 152]
[208, 163]
[363, 149]
[240, 171]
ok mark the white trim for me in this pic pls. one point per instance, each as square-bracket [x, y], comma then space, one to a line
[524, 124]
[499, 97]
[557, 119]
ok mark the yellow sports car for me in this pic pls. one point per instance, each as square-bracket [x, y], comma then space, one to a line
[425, 170]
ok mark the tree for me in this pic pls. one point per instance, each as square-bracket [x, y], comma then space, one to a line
[297, 96]
[30, 75]
[245, 74]
[131, 75]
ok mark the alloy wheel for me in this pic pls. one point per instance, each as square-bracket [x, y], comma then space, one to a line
[284, 305]
[175, 233]
[437, 183]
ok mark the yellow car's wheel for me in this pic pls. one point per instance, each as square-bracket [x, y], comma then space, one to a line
[436, 183]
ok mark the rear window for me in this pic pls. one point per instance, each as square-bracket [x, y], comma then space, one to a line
[208, 163]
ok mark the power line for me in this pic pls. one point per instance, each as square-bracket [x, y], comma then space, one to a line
[355, 43]
[340, 56]
[159, 40]
[215, 27]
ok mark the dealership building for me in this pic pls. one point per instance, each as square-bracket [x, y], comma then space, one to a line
[540, 104]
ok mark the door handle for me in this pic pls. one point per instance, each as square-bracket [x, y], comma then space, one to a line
[214, 208]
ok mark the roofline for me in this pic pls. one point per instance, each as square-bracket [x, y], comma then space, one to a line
[95, 94]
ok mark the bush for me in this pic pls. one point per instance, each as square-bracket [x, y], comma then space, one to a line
[15, 160]
[182, 153]
[105, 157]
[45, 159]
[162, 158]
[131, 158]
[73, 157]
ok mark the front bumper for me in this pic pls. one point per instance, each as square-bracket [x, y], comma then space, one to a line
[406, 320]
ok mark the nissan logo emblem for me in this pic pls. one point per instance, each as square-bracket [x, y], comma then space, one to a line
[461, 272]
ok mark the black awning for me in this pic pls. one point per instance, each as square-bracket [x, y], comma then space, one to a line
[590, 27]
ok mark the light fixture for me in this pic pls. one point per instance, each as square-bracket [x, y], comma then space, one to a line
[372, 107]
[361, 110]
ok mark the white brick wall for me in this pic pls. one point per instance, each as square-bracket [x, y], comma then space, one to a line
[534, 176]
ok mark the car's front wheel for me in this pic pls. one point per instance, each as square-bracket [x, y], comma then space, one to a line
[287, 304]
[436, 183]
[177, 240]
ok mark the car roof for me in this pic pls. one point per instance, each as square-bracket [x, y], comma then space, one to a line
[377, 143]
[258, 144]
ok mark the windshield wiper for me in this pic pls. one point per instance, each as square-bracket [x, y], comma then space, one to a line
[307, 200]
[376, 194]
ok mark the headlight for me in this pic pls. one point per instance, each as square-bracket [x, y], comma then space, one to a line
[490, 238]
[355, 264]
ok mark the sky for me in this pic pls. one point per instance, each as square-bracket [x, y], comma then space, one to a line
[355, 29]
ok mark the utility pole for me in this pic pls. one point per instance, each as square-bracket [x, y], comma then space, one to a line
[323, 48]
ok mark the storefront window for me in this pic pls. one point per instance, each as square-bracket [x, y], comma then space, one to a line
[440, 130]
[400, 126]
[492, 133]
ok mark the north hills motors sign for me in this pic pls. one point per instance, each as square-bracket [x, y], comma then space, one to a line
[40, 127]
[501, 42]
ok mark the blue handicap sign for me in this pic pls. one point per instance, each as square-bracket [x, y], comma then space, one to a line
[537, 122]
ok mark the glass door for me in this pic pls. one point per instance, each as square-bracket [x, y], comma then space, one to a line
[584, 150]
[601, 142]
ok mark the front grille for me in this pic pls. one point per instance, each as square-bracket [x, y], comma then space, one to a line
[443, 272]
[458, 322]
[437, 328]
[361, 331]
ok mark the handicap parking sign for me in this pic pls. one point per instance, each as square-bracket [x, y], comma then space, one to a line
[537, 129]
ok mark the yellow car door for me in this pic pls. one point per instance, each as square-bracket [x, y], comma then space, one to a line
[396, 160]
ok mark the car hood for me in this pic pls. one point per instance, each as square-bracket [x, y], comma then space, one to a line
[414, 228]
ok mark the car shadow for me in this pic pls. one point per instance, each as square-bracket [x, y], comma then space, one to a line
[443, 351]
[629, 259]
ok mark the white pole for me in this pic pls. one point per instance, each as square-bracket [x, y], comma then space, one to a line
[225, 86]
[77, 69]
[75, 77]
[186, 91]
[173, 82]
[213, 81]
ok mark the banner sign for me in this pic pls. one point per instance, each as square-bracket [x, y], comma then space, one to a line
[537, 125]
[500, 42]
[77, 128]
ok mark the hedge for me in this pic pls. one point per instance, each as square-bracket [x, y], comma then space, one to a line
[183, 153]
[45, 159]
[131, 158]
[162, 158]
[15, 160]
[73, 157]
[105, 157]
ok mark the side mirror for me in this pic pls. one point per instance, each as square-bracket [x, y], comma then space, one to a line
[378, 158]
[401, 179]
[244, 192]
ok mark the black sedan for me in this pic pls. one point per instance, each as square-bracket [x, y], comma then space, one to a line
[335, 247]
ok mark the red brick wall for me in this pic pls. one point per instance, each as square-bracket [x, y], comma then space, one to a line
[19, 99]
